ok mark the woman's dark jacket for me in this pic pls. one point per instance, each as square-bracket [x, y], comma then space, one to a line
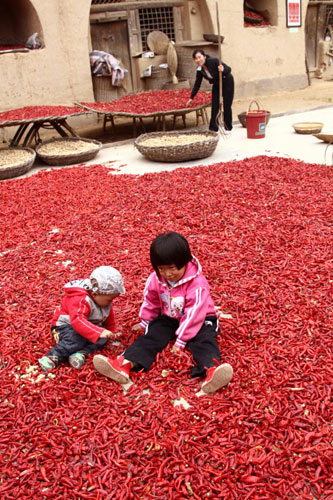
[212, 64]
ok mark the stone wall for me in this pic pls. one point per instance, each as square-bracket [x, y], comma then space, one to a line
[59, 73]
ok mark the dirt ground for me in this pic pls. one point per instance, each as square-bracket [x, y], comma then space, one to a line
[319, 93]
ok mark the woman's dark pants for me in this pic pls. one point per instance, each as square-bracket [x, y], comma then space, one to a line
[228, 97]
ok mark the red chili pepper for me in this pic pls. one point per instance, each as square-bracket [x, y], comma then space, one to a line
[43, 473]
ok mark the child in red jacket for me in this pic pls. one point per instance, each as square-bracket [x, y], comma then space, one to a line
[177, 306]
[85, 319]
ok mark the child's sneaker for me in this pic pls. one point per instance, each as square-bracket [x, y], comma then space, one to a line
[77, 360]
[217, 377]
[46, 363]
[113, 368]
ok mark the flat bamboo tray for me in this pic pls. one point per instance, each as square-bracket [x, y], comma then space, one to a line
[14, 170]
[325, 137]
[145, 115]
[10, 123]
[70, 158]
[178, 152]
[308, 127]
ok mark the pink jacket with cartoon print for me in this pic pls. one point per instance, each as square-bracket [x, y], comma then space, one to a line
[188, 300]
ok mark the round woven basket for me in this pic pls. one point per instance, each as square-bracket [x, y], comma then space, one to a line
[158, 42]
[14, 170]
[308, 127]
[71, 158]
[325, 137]
[178, 152]
[212, 38]
[242, 116]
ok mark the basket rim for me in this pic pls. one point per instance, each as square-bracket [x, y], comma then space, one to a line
[67, 139]
[308, 124]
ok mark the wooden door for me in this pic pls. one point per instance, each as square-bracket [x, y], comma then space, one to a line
[112, 37]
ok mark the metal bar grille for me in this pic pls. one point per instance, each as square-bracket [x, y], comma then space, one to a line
[329, 14]
[95, 2]
[156, 18]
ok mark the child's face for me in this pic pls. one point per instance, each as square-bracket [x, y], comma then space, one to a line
[171, 272]
[103, 300]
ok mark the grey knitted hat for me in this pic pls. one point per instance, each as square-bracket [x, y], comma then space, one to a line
[107, 280]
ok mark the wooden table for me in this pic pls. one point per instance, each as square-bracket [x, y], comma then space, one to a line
[158, 117]
[28, 129]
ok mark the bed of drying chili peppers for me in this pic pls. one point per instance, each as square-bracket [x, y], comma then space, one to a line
[261, 228]
[37, 112]
[257, 19]
[153, 101]
[11, 47]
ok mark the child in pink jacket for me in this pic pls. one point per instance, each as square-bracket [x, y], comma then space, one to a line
[176, 306]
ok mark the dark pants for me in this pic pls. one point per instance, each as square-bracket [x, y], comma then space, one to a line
[161, 330]
[228, 87]
[69, 341]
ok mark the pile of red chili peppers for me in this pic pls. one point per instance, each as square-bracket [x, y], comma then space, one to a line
[154, 101]
[262, 231]
[36, 112]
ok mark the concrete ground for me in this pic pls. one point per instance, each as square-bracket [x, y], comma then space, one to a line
[314, 103]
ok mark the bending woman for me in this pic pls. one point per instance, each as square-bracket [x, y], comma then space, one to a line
[209, 67]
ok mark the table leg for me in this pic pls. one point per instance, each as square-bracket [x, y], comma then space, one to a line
[143, 125]
[19, 133]
[205, 114]
[64, 124]
[31, 134]
[58, 126]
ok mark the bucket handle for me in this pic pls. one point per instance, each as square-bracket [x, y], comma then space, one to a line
[256, 102]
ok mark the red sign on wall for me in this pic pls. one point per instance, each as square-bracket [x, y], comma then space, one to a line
[294, 13]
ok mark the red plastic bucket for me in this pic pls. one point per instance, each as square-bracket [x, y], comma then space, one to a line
[256, 124]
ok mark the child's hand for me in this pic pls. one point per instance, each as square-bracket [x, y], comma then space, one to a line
[117, 334]
[176, 350]
[136, 327]
[106, 334]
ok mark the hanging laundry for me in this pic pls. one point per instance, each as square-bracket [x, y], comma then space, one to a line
[104, 64]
